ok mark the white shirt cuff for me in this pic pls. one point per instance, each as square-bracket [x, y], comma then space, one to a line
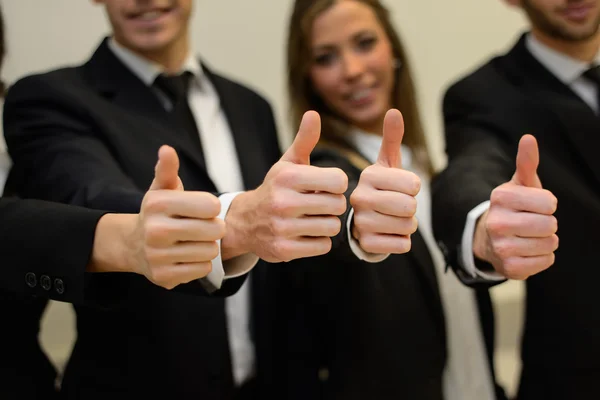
[236, 266]
[355, 245]
[467, 257]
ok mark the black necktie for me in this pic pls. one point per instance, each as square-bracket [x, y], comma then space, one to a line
[593, 74]
[176, 87]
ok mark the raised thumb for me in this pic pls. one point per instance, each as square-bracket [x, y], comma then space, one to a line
[166, 172]
[528, 159]
[306, 139]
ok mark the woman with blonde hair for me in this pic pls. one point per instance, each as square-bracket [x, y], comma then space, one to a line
[400, 328]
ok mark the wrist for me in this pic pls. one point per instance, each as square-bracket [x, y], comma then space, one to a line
[480, 239]
[113, 249]
[236, 241]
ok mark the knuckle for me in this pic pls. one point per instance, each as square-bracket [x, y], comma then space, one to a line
[404, 245]
[280, 204]
[213, 251]
[495, 225]
[501, 195]
[341, 180]
[358, 199]
[279, 227]
[415, 184]
[220, 228]
[340, 205]
[205, 268]
[512, 269]
[502, 249]
[410, 205]
[211, 204]
[155, 203]
[286, 176]
[414, 225]
[555, 242]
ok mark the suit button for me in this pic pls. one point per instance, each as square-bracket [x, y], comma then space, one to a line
[323, 374]
[59, 286]
[45, 282]
[30, 279]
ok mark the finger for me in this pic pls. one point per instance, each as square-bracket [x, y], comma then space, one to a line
[521, 198]
[165, 231]
[306, 139]
[182, 204]
[166, 173]
[307, 226]
[184, 253]
[523, 267]
[385, 244]
[522, 224]
[392, 179]
[302, 247]
[299, 204]
[170, 276]
[307, 178]
[384, 202]
[374, 222]
[393, 132]
[528, 159]
[525, 247]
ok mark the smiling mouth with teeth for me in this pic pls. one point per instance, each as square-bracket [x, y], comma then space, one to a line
[150, 15]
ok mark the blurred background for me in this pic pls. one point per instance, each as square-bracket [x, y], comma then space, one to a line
[246, 40]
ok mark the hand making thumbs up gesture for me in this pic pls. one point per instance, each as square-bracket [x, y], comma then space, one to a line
[384, 200]
[294, 213]
[517, 234]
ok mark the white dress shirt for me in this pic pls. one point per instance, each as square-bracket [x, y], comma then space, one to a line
[217, 144]
[467, 375]
[569, 71]
[5, 162]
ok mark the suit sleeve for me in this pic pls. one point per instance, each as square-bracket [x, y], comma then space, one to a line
[480, 158]
[58, 157]
[46, 248]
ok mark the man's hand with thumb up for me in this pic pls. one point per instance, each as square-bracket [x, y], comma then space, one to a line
[517, 234]
[384, 200]
[293, 213]
[176, 233]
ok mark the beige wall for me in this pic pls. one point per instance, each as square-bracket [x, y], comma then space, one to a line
[246, 39]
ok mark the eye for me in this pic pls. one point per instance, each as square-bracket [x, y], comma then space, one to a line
[367, 43]
[325, 59]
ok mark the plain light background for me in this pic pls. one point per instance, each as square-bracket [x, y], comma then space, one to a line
[245, 39]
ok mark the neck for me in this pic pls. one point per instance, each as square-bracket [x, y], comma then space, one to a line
[171, 57]
[583, 50]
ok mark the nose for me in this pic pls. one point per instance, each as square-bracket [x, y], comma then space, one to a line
[353, 66]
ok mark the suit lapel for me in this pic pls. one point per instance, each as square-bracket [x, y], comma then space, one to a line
[118, 84]
[244, 129]
[580, 124]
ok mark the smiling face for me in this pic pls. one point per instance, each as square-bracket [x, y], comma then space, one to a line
[352, 67]
[569, 20]
[147, 26]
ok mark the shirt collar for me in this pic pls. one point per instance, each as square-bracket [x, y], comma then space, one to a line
[148, 70]
[369, 144]
[565, 68]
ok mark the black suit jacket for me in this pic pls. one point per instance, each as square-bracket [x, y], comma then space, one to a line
[357, 330]
[45, 249]
[485, 115]
[89, 135]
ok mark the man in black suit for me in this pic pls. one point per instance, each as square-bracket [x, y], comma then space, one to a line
[88, 135]
[51, 246]
[47, 248]
[499, 202]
